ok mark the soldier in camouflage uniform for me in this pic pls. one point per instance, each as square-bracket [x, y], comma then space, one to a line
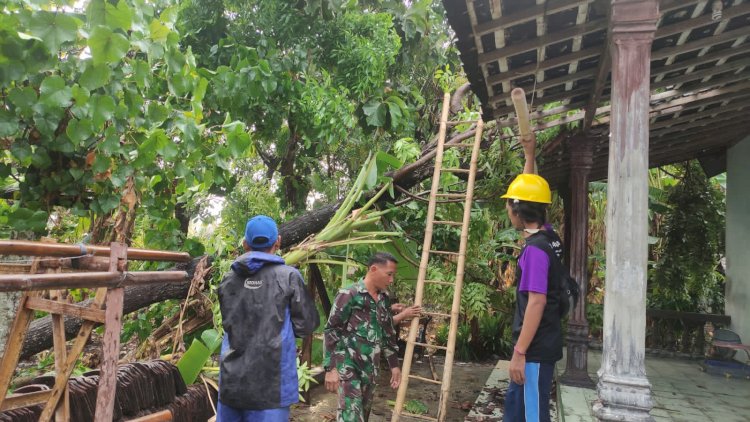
[359, 328]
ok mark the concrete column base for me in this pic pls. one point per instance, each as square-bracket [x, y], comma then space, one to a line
[623, 399]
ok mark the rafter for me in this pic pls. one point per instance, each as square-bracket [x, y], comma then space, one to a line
[557, 36]
[525, 15]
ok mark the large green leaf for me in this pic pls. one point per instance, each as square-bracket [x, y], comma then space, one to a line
[238, 141]
[192, 362]
[376, 113]
[53, 28]
[79, 130]
[95, 76]
[101, 12]
[23, 98]
[102, 109]
[157, 113]
[158, 31]
[212, 339]
[8, 123]
[107, 46]
[54, 92]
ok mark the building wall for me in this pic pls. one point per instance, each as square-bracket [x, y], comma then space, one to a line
[738, 238]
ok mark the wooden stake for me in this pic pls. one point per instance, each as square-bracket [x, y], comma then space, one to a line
[105, 396]
[58, 339]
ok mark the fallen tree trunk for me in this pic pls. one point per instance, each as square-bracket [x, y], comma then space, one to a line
[39, 334]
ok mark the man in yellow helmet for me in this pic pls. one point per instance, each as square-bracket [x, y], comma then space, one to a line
[537, 332]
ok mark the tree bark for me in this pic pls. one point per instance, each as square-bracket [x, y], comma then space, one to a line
[39, 335]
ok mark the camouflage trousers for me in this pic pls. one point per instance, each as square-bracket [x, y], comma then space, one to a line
[356, 391]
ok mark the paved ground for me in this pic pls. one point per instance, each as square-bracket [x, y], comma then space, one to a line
[680, 390]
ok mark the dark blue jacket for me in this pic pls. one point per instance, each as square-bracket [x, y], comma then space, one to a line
[264, 305]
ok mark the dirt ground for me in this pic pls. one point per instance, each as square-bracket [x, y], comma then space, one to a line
[467, 381]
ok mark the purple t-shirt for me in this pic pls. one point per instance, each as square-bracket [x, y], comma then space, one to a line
[534, 264]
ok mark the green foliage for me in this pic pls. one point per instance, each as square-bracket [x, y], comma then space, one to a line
[475, 300]
[416, 407]
[686, 277]
[193, 361]
[92, 99]
[304, 378]
[143, 323]
[360, 49]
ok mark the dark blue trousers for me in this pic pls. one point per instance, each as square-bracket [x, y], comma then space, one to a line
[530, 402]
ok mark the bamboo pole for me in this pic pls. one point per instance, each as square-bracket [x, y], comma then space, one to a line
[456, 306]
[22, 247]
[27, 282]
[426, 246]
[522, 111]
[163, 416]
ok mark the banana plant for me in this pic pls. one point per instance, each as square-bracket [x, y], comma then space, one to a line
[348, 227]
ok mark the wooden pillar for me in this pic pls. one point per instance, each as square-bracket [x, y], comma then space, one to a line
[623, 389]
[577, 337]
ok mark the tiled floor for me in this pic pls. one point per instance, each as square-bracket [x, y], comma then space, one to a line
[681, 392]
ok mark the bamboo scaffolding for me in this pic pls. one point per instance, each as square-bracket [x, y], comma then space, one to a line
[23, 247]
[107, 308]
[28, 282]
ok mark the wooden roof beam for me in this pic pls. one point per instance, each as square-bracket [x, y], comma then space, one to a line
[680, 27]
[723, 23]
[581, 17]
[570, 77]
[528, 14]
[660, 72]
[602, 72]
[591, 52]
[554, 37]
[530, 69]
[699, 134]
[692, 121]
[699, 20]
[685, 105]
[737, 64]
[512, 121]
[663, 53]
[703, 99]
[502, 111]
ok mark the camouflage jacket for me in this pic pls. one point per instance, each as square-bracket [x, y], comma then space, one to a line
[358, 329]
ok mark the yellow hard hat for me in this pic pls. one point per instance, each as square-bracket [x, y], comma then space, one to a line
[529, 187]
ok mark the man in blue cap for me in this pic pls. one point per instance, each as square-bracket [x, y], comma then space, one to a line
[264, 306]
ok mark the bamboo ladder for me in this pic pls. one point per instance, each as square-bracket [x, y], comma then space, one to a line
[427, 251]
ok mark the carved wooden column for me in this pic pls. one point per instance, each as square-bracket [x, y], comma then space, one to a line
[624, 391]
[577, 337]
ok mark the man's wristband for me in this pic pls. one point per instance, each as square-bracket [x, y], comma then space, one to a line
[517, 350]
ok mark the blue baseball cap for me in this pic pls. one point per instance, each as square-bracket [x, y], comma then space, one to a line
[261, 232]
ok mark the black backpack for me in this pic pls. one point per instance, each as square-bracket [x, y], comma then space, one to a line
[568, 287]
[570, 291]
